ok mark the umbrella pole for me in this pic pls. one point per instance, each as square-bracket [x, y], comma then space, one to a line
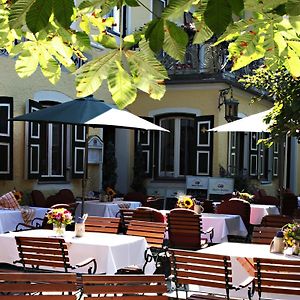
[85, 170]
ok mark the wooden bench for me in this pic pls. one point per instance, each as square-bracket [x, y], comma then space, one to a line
[202, 269]
[128, 287]
[277, 276]
[21, 286]
[39, 253]
[102, 224]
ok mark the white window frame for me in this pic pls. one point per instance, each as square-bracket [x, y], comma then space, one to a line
[49, 151]
[7, 134]
[8, 159]
[175, 172]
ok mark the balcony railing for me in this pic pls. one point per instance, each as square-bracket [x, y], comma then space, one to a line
[205, 59]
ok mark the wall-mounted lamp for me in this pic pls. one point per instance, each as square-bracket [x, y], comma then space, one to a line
[231, 104]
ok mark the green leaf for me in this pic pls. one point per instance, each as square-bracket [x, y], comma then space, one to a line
[27, 63]
[38, 15]
[295, 23]
[293, 7]
[81, 40]
[292, 63]
[106, 40]
[237, 6]
[156, 35]
[121, 86]
[280, 43]
[295, 45]
[147, 72]
[89, 77]
[132, 3]
[63, 11]
[176, 8]
[18, 12]
[218, 19]
[176, 41]
[131, 40]
[51, 70]
[203, 32]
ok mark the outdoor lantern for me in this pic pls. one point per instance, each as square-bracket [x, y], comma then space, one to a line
[231, 105]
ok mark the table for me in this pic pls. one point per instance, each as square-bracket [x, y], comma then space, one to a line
[106, 209]
[111, 251]
[240, 267]
[10, 218]
[258, 211]
[223, 225]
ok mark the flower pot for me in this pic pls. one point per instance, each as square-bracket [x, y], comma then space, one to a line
[59, 229]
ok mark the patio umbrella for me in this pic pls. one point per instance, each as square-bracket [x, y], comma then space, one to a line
[255, 123]
[252, 123]
[89, 112]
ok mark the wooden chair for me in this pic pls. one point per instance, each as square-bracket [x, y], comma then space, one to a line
[125, 215]
[236, 206]
[278, 276]
[263, 235]
[202, 269]
[275, 220]
[38, 199]
[37, 253]
[148, 214]
[128, 287]
[185, 229]
[102, 224]
[37, 286]
[154, 234]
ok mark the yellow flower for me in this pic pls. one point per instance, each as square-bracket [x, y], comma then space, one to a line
[185, 202]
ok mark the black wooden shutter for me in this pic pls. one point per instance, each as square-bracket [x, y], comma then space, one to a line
[254, 151]
[275, 159]
[33, 143]
[78, 151]
[6, 138]
[204, 145]
[145, 139]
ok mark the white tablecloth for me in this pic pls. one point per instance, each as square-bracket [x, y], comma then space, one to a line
[238, 251]
[106, 209]
[224, 225]
[111, 251]
[258, 211]
[9, 219]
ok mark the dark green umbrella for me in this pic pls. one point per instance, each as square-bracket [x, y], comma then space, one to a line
[88, 112]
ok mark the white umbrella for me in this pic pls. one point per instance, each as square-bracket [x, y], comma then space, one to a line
[252, 123]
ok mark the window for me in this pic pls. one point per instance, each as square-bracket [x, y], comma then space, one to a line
[185, 150]
[53, 147]
[6, 138]
[175, 146]
[53, 152]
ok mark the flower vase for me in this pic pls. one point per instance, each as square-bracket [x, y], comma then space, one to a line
[59, 229]
[296, 248]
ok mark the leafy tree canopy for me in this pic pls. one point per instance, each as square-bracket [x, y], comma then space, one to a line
[48, 40]
[285, 91]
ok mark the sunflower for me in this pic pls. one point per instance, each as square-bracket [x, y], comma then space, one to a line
[110, 192]
[188, 202]
[185, 202]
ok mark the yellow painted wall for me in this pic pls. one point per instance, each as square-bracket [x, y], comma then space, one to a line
[203, 97]
[21, 90]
